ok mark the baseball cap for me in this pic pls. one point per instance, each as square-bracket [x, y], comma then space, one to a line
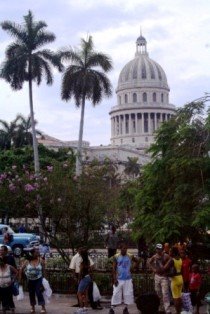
[159, 246]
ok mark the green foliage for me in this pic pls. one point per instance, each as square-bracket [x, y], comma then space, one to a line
[173, 201]
[23, 157]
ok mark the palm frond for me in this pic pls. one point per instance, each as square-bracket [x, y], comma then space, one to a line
[42, 38]
[47, 71]
[100, 59]
[52, 57]
[72, 85]
[15, 30]
[15, 50]
[72, 56]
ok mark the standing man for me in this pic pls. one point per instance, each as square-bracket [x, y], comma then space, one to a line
[157, 263]
[122, 281]
[75, 265]
[112, 242]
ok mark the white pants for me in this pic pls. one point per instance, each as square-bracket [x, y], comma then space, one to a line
[123, 292]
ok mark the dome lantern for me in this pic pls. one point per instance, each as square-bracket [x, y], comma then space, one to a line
[141, 45]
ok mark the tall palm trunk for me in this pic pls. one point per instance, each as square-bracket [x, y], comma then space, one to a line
[79, 147]
[35, 145]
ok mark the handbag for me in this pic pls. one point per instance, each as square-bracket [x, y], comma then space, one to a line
[15, 288]
[96, 293]
[186, 302]
[20, 296]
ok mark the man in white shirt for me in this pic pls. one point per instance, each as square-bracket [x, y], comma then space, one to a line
[75, 265]
[76, 262]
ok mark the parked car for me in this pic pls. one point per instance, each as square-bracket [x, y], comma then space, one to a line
[19, 240]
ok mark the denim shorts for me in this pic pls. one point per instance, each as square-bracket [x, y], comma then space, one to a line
[84, 283]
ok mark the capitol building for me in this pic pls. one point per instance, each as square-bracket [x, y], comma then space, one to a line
[142, 104]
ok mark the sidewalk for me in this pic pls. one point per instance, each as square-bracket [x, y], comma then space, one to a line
[63, 304]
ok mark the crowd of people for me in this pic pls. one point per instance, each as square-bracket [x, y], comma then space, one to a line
[174, 276]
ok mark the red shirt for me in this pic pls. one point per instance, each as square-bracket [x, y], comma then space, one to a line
[186, 263]
[195, 281]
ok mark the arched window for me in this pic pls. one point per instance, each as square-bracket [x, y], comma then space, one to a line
[154, 97]
[162, 97]
[134, 97]
[126, 98]
[144, 97]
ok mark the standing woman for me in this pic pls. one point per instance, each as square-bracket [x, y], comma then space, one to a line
[84, 282]
[175, 263]
[7, 275]
[34, 268]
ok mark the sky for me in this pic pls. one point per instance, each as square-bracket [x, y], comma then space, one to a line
[178, 38]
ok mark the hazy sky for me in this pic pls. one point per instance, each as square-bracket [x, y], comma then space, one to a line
[178, 38]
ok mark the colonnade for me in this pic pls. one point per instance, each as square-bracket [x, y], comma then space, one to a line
[137, 123]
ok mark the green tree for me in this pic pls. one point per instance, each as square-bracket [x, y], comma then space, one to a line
[174, 199]
[132, 167]
[25, 62]
[7, 133]
[23, 134]
[83, 81]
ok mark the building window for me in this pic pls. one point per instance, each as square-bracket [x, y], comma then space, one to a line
[121, 141]
[144, 97]
[133, 140]
[146, 139]
[134, 97]
[162, 98]
[154, 97]
[126, 98]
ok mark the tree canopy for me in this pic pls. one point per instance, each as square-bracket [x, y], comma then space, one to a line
[173, 201]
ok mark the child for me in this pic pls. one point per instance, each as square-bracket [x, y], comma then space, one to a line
[194, 287]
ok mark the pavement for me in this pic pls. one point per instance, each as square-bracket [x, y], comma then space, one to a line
[63, 304]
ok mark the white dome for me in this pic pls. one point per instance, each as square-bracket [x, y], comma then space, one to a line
[142, 100]
[142, 72]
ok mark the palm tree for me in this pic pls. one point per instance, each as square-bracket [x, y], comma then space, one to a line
[7, 133]
[25, 62]
[132, 167]
[23, 135]
[85, 79]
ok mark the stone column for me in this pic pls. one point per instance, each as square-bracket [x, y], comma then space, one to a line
[130, 125]
[142, 119]
[149, 123]
[155, 122]
[136, 119]
[112, 127]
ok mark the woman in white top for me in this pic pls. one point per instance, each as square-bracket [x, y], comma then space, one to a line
[7, 276]
[34, 271]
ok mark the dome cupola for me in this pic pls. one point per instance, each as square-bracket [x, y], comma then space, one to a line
[142, 71]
